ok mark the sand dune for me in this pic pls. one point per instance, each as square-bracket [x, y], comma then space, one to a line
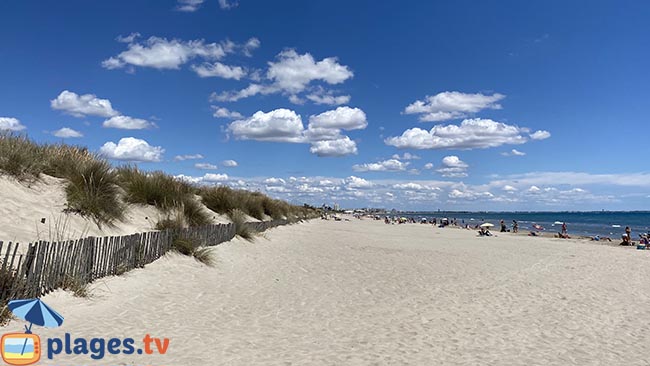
[365, 293]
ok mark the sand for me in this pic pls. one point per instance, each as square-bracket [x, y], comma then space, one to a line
[366, 293]
[25, 204]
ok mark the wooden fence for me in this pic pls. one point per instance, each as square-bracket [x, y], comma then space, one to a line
[46, 266]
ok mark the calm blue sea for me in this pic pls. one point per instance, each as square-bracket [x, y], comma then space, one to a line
[605, 223]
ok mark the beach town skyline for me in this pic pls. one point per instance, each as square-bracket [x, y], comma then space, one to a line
[463, 106]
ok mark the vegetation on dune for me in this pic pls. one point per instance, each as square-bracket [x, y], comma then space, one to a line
[98, 191]
[191, 248]
[92, 191]
[238, 218]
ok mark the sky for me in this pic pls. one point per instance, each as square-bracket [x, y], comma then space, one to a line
[413, 105]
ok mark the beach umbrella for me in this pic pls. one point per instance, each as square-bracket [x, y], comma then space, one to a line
[36, 312]
[487, 224]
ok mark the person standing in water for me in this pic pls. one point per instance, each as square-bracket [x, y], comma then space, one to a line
[515, 226]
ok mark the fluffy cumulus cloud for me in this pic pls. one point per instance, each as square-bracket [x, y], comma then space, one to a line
[292, 73]
[540, 135]
[221, 112]
[205, 166]
[162, 53]
[67, 132]
[229, 163]
[284, 125]
[279, 125]
[453, 167]
[513, 152]
[210, 177]
[428, 166]
[11, 124]
[128, 123]
[340, 147]
[320, 96]
[358, 183]
[452, 105]
[83, 105]
[132, 149]
[188, 157]
[390, 165]
[470, 134]
[217, 69]
[345, 118]
[406, 156]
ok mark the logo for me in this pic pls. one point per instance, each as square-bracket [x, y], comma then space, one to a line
[20, 348]
[26, 348]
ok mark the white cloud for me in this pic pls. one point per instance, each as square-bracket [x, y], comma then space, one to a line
[340, 147]
[340, 118]
[188, 157]
[452, 105]
[227, 4]
[406, 156]
[513, 152]
[540, 135]
[428, 166]
[284, 125]
[128, 39]
[132, 149]
[533, 189]
[188, 179]
[229, 163]
[161, 53]
[66, 132]
[128, 123]
[205, 166]
[470, 134]
[83, 105]
[221, 112]
[509, 188]
[251, 45]
[321, 96]
[453, 167]
[291, 74]
[390, 165]
[359, 183]
[217, 69]
[215, 177]
[279, 125]
[274, 181]
[189, 5]
[11, 124]
[573, 179]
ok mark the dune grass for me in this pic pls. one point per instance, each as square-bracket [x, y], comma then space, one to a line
[96, 190]
[238, 218]
[191, 248]
[92, 191]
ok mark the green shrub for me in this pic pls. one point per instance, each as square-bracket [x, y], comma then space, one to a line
[92, 191]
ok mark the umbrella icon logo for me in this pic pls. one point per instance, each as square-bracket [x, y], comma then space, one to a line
[25, 348]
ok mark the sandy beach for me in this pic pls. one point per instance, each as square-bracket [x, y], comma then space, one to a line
[365, 293]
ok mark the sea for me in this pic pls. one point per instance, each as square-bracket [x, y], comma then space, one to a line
[603, 223]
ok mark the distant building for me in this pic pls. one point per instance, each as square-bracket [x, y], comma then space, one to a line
[336, 207]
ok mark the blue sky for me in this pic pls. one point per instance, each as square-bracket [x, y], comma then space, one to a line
[499, 105]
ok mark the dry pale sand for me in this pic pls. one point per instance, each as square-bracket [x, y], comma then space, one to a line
[365, 293]
[24, 204]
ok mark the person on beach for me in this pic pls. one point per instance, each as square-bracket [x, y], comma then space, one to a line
[626, 240]
[628, 231]
[503, 226]
[564, 231]
[515, 226]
